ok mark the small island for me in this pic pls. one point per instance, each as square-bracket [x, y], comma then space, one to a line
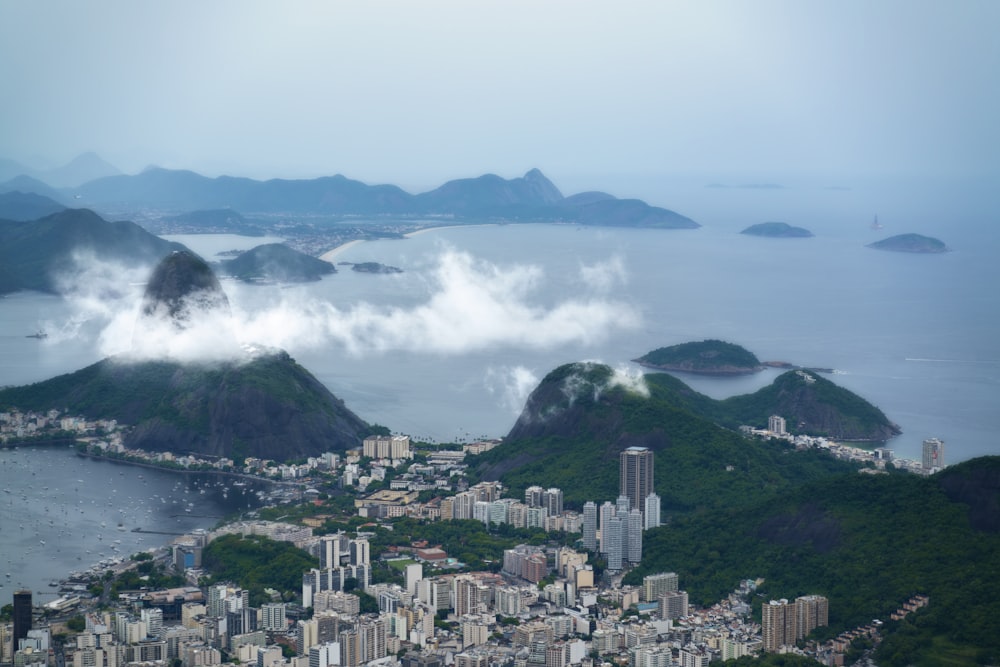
[778, 230]
[371, 267]
[275, 262]
[708, 357]
[912, 243]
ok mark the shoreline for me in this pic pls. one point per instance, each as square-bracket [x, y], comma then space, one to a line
[418, 232]
[331, 254]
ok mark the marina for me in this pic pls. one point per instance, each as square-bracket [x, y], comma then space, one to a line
[50, 530]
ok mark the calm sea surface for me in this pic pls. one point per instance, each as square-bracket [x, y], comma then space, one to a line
[449, 348]
[60, 513]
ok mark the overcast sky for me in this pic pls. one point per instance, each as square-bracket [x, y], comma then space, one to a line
[418, 91]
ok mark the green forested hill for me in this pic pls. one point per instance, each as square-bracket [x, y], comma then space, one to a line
[811, 405]
[579, 419]
[866, 542]
[268, 407]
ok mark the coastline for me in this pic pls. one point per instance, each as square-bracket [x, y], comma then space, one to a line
[418, 232]
[331, 254]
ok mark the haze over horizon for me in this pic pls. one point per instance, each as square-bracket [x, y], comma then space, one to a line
[620, 98]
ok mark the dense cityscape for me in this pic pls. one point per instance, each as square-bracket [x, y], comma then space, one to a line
[554, 602]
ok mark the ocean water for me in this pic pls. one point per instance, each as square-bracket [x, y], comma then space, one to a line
[420, 352]
[61, 513]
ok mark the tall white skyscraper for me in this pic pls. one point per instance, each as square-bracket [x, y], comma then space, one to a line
[606, 513]
[616, 548]
[634, 536]
[652, 514]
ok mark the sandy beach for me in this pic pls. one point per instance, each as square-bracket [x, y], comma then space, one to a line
[329, 255]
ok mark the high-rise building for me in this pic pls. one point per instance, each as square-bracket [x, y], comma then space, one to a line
[590, 525]
[634, 554]
[636, 475]
[22, 617]
[552, 499]
[811, 612]
[655, 585]
[616, 549]
[778, 624]
[933, 454]
[776, 425]
[651, 515]
[673, 605]
[533, 496]
[606, 512]
[273, 616]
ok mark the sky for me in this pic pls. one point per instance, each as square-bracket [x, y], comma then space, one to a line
[593, 93]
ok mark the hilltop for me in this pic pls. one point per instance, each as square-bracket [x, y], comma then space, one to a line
[811, 405]
[708, 357]
[36, 252]
[266, 406]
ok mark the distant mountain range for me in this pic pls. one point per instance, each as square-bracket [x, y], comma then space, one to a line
[532, 197]
[84, 167]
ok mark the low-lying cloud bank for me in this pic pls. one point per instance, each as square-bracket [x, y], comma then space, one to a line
[472, 305]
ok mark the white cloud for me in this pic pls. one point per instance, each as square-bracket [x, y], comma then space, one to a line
[472, 305]
[512, 384]
[604, 276]
[629, 378]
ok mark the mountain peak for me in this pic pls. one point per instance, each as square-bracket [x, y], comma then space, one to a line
[182, 285]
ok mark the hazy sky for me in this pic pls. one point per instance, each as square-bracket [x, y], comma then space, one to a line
[418, 91]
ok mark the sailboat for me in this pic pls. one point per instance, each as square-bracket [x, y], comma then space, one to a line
[875, 224]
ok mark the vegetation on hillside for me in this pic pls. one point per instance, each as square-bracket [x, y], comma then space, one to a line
[811, 405]
[268, 406]
[255, 563]
[866, 542]
[578, 421]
